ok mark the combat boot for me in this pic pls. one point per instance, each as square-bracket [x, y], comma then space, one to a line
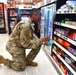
[2, 59]
[31, 63]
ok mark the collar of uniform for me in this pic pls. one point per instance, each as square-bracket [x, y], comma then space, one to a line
[32, 26]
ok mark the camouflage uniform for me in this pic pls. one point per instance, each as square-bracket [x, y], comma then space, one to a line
[21, 38]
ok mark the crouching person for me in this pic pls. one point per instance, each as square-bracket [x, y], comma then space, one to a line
[21, 38]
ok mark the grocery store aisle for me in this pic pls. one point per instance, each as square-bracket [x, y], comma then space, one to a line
[44, 67]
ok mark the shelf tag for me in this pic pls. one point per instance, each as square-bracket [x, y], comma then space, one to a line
[60, 35]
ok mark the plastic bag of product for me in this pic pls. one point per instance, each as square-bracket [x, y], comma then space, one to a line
[49, 43]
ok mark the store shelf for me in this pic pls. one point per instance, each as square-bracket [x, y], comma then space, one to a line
[63, 22]
[65, 38]
[57, 66]
[67, 12]
[2, 19]
[68, 66]
[12, 18]
[66, 51]
[52, 60]
[65, 25]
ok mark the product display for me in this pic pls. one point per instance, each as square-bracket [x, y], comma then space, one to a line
[72, 49]
[24, 13]
[2, 18]
[73, 64]
[64, 39]
[12, 18]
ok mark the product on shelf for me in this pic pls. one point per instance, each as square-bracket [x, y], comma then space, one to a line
[55, 48]
[13, 13]
[73, 64]
[73, 36]
[69, 60]
[66, 44]
[62, 21]
[64, 55]
[60, 41]
[74, 23]
[55, 57]
[69, 73]
[72, 49]
[64, 68]
[58, 30]
[64, 31]
[67, 32]
[68, 21]
[24, 12]
[59, 51]
[65, 9]
[59, 63]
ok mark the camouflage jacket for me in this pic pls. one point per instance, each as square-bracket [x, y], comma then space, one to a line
[23, 35]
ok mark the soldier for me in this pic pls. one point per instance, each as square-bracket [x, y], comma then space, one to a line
[21, 38]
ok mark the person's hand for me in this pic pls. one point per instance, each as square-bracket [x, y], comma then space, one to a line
[44, 43]
[45, 39]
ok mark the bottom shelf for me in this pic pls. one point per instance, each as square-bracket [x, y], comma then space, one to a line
[61, 64]
[57, 67]
[59, 71]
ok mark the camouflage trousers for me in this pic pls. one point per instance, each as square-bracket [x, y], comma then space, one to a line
[19, 59]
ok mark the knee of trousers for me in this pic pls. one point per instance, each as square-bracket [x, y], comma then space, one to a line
[15, 65]
[18, 66]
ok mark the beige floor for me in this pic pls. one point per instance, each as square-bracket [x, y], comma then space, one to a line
[44, 67]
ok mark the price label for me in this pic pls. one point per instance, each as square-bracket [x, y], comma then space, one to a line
[56, 33]
[60, 35]
[55, 22]
[58, 23]
[65, 38]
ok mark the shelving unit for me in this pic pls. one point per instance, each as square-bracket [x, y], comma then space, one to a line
[13, 19]
[64, 36]
[2, 19]
[23, 13]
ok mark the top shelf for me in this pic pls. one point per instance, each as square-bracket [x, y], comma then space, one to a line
[66, 12]
[65, 25]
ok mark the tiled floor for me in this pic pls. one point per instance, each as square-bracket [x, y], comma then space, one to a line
[44, 67]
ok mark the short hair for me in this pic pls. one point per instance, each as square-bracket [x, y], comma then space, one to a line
[34, 11]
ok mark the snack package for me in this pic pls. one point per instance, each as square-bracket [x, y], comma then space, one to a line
[49, 43]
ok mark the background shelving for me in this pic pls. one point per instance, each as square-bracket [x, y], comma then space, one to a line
[2, 19]
[23, 13]
[13, 19]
